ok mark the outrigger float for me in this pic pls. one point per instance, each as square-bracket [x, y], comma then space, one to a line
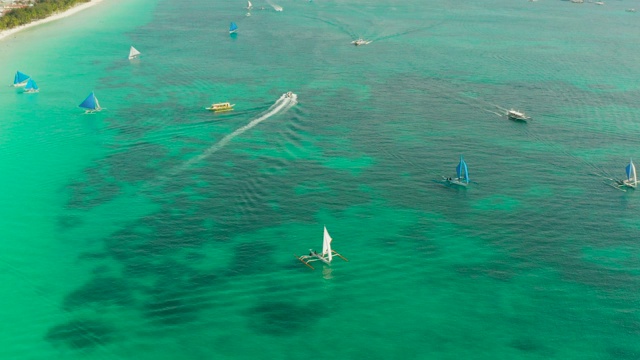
[327, 252]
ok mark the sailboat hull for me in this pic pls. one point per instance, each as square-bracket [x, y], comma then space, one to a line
[456, 181]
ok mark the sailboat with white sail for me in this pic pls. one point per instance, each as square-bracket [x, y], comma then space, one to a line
[90, 104]
[249, 5]
[31, 87]
[327, 253]
[133, 53]
[462, 173]
[20, 79]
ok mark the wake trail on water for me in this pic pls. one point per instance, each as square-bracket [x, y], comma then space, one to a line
[275, 7]
[283, 104]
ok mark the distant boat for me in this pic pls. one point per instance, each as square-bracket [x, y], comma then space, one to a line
[462, 173]
[327, 253]
[31, 87]
[90, 104]
[249, 5]
[360, 41]
[233, 28]
[517, 115]
[20, 79]
[133, 53]
[221, 107]
[632, 179]
[631, 10]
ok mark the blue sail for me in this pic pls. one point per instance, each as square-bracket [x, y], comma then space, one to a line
[90, 103]
[31, 86]
[462, 171]
[630, 169]
[233, 27]
[20, 78]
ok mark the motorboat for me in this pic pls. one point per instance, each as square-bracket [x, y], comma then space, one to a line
[360, 41]
[517, 115]
[221, 107]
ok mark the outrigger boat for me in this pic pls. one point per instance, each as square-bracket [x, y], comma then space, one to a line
[133, 53]
[462, 172]
[517, 115]
[31, 87]
[221, 107]
[20, 79]
[91, 104]
[632, 180]
[327, 252]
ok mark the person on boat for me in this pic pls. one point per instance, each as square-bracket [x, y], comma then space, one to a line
[312, 253]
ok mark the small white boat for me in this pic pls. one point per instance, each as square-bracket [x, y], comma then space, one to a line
[462, 173]
[327, 253]
[360, 41]
[517, 115]
[599, 2]
[133, 53]
[630, 10]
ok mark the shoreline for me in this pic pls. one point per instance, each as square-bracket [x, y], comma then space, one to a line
[55, 16]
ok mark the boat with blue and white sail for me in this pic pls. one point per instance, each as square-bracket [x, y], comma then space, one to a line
[233, 28]
[31, 87]
[462, 173]
[90, 104]
[20, 79]
[632, 179]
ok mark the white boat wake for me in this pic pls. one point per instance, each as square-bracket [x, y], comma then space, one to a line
[275, 6]
[284, 103]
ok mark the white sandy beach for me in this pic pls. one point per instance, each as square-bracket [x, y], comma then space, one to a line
[53, 17]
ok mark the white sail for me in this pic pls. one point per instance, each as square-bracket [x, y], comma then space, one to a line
[631, 174]
[133, 53]
[326, 245]
[249, 5]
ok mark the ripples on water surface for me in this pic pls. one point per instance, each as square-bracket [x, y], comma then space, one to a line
[159, 230]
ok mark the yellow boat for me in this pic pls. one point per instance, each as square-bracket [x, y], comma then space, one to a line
[221, 107]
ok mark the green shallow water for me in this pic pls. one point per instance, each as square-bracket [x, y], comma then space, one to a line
[158, 230]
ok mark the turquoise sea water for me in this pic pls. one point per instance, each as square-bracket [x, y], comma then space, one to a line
[158, 230]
